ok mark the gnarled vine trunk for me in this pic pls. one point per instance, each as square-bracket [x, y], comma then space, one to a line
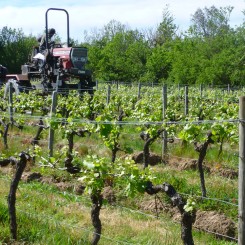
[5, 133]
[41, 127]
[95, 216]
[20, 166]
[116, 147]
[202, 149]
[187, 218]
[148, 141]
[68, 161]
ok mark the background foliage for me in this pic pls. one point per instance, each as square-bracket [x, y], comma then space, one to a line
[209, 52]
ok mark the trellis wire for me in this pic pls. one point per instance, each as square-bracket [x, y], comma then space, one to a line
[63, 119]
[148, 123]
[125, 208]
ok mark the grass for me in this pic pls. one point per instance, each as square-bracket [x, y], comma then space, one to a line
[218, 188]
[47, 215]
[228, 158]
[62, 220]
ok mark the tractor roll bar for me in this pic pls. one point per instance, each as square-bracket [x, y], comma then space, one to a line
[46, 25]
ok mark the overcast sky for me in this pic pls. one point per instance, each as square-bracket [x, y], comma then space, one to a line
[94, 14]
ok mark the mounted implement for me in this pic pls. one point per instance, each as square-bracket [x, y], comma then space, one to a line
[58, 67]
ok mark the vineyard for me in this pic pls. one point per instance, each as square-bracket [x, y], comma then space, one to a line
[130, 164]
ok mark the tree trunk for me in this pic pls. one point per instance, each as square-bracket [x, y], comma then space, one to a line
[186, 228]
[5, 135]
[69, 157]
[12, 193]
[148, 142]
[116, 147]
[202, 153]
[7, 161]
[39, 131]
[146, 152]
[95, 216]
[115, 150]
[187, 218]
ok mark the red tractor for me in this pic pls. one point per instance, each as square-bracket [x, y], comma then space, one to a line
[59, 68]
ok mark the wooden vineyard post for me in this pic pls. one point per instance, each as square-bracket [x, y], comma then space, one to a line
[186, 101]
[201, 90]
[108, 95]
[51, 130]
[139, 89]
[241, 178]
[11, 103]
[165, 134]
[228, 88]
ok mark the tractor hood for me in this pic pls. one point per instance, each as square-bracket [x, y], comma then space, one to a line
[62, 52]
[78, 56]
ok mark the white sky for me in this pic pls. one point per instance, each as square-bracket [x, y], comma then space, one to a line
[94, 14]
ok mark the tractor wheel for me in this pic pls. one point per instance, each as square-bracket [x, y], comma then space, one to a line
[11, 83]
[86, 85]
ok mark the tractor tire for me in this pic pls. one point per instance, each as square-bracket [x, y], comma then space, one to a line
[86, 85]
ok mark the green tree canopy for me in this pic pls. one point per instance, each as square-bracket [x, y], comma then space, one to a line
[15, 48]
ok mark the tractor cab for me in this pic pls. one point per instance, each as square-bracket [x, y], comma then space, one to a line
[58, 68]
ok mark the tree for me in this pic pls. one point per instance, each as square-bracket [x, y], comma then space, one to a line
[97, 40]
[124, 57]
[166, 30]
[210, 22]
[208, 53]
[15, 48]
[185, 59]
[113, 28]
[237, 64]
[158, 64]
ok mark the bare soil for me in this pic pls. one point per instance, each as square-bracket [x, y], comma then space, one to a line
[208, 221]
[211, 221]
[186, 164]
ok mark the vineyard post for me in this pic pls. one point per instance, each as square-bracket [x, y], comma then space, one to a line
[201, 90]
[51, 130]
[139, 88]
[11, 103]
[165, 133]
[108, 94]
[241, 178]
[178, 87]
[186, 101]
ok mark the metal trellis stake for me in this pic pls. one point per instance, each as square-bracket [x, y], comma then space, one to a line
[11, 103]
[51, 130]
[186, 101]
[165, 134]
[108, 94]
[241, 178]
[139, 89]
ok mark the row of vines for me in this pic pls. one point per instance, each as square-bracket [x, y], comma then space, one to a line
[121, 120]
